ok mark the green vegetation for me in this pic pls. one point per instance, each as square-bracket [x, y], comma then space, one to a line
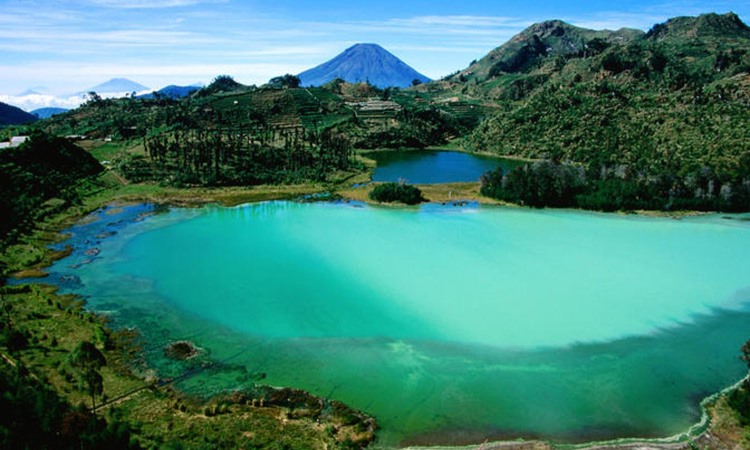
[554, 184]
[43, 176]
[87, 360]
[41, 417]
[616, 121]
[268, 113]
[658, 121]
[397, 192]
[540, 184]
[36, 417]
[239, 157]
[739, 399]
[222, 83]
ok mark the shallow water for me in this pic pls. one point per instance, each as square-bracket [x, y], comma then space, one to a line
[429, 167]
[450, 325]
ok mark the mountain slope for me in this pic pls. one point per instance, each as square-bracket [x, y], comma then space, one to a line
[172, 91]
[661, 118]
[542, 41]
[46, 113]
[567, 106]
[707, 25]
[363, 62]
[10, 115]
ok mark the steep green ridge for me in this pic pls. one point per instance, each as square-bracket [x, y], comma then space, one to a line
[549, 39]
[666, 111]
[678, 82]
[10, 115]
[42, 176]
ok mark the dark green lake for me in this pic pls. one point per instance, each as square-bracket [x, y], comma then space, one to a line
[434, 166]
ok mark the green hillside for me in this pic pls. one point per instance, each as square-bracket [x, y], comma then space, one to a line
[664, 113]
[11, 115]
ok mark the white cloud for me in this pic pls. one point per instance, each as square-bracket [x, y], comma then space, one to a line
[616, 20]
[36, 101]
[144, 4]
[80, 77]
[466, 21]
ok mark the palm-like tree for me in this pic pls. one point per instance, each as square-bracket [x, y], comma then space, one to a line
[88, 360]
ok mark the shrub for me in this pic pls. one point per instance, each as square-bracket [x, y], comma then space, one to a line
[397, 192]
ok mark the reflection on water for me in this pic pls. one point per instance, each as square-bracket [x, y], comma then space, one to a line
[450, 325]
[429, 167]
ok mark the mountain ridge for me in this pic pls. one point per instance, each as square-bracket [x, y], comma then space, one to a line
[705, 25]
[541, 40]
[172, 91]
[12, 115]
[46, 113]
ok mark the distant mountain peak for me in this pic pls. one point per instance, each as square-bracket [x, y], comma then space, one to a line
[46, 113]
[714, 25]
[364, 62]
[29, 92]
[117, 85]
[172, 91]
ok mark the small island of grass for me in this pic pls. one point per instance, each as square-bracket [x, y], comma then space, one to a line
[397, 192]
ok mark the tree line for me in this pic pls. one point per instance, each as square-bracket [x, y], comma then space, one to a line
[616, 188]
[240, 156]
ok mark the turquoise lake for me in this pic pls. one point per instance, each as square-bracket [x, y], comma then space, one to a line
[434, 166]
[451, 325]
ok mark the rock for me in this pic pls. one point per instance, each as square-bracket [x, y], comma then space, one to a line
[181, 350]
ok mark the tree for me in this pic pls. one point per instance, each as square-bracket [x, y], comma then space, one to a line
[7, 308]
[95, 99]
[88, 360]
[285, 81]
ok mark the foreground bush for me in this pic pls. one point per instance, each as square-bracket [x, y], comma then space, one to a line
[396, 192]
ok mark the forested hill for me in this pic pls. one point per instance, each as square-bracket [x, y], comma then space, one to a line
[667, 108]
[541, 41]
[676, 95]
[10, 115]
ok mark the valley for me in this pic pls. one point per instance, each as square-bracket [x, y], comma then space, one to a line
[632, 320]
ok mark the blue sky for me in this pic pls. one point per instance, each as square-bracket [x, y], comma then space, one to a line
[62, 47]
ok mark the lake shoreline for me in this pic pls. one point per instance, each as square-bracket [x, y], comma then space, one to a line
[233, 197]
[293, 405]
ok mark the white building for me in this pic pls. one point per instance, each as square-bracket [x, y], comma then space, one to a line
[15, 141]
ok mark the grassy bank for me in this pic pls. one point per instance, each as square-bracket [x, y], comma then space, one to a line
[253, 417]
[436, 193]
